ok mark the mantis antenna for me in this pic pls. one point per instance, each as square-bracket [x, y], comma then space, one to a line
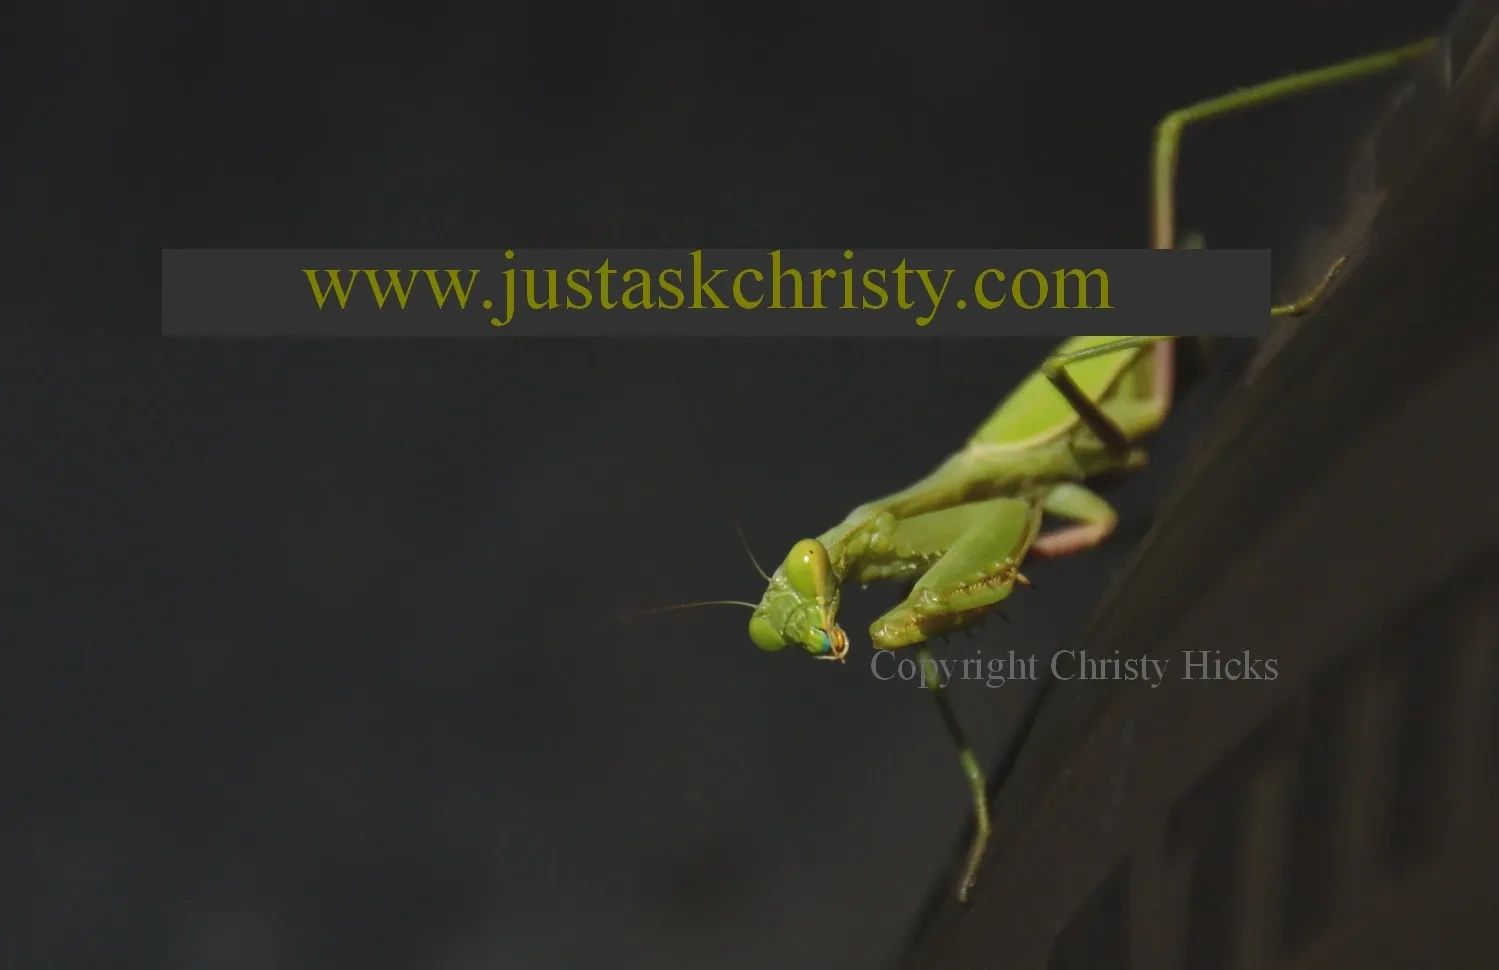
[712, 467]
[633, 614]
[750, 552]
[702, 445]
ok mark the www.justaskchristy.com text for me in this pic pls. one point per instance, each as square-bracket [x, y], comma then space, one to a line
[772, 286]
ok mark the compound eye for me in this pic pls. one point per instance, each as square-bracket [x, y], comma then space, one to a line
[809, 571]
[764, 634]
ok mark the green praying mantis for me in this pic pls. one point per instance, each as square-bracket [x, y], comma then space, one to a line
[962, 532]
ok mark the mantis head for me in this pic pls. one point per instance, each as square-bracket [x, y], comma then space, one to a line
[801, 606]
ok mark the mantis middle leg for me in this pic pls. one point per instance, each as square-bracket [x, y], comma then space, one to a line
[971, 771]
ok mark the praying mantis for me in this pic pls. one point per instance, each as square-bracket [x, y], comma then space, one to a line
[961, 533]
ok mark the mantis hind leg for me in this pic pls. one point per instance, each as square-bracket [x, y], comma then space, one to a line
[1169, 133]
[1163, 223]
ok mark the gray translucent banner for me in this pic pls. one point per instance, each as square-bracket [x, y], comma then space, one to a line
[716, 293]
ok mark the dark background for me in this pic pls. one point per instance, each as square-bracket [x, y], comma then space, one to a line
[308, 666]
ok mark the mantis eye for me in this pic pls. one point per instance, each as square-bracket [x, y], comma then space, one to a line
[764, 634]
[809, 570]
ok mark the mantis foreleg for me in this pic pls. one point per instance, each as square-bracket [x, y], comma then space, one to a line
[971, 556]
